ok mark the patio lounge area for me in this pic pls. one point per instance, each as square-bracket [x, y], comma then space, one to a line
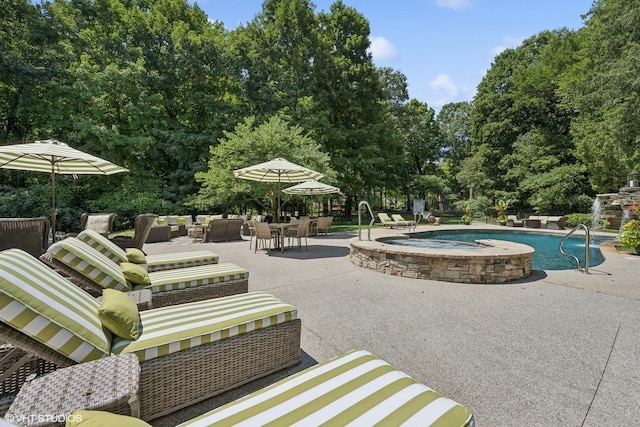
[559, 348]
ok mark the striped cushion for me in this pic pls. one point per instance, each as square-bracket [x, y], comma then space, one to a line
[179, 327]
[90, 263]
[181, 278]
[44, 305]
[103, 245]
[356, 389]
[180, 260]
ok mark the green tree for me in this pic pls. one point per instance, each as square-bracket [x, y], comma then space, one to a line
[252, 143]
[359, 135]
[520, 127]
[603, 86]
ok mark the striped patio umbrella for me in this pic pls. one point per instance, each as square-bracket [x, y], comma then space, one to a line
[54, 157]
[312, 188]
[277, 170]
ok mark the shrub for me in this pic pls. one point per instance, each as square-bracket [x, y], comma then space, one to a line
[579, 218]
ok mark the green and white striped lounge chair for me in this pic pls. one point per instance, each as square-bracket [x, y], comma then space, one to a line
[153, 262]
[355, 389]
[187, 352]
[93, 271]
[386, 221]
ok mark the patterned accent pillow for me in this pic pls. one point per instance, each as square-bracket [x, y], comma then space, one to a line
[103, 245]
[90, 263]
[44, 305]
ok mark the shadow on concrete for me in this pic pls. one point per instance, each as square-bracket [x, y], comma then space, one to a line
[314, 252]
[207, 405]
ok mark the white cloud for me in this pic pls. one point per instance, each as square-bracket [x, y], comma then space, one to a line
[455, 4]
[382, 49]
[444, 90]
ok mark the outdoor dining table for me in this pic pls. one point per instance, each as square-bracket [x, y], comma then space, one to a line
[281, 227]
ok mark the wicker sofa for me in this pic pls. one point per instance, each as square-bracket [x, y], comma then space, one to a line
[223, 230]
[184, 358]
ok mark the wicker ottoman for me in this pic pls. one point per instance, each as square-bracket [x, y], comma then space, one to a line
[109, 384]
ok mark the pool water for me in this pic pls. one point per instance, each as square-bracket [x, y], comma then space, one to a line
[432, 244]
[547, 254]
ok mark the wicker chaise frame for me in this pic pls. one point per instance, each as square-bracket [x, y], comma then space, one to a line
[180, 379]
[160, 299]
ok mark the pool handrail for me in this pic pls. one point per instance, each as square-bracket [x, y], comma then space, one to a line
[587, 243]
[364, 203]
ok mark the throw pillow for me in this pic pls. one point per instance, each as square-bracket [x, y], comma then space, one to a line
[135, 273]
[119, 314]
[136, 256]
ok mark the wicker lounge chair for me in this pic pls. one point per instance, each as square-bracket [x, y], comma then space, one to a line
[355, 388]
[93, 272]
[28, 234]
[142, 225]
[187, 352]
[153, 262]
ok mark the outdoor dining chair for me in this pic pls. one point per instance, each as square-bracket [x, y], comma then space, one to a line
[264, 236]
[299, 232]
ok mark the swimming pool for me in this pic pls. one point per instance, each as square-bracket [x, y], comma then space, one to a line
[547, 255]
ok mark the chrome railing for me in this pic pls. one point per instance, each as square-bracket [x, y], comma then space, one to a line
[364, 203]
[587, 243]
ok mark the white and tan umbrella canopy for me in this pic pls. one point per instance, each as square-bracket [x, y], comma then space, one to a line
[277, 170]
[54, 157]
[311, 188]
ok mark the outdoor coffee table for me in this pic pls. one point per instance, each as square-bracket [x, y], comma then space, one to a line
[109, 384]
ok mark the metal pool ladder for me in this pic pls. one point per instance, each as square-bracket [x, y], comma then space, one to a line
[364, 203]
[587, 242]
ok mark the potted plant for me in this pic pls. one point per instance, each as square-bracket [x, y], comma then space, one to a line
[501, 207]
[630, 236]
[467, 217]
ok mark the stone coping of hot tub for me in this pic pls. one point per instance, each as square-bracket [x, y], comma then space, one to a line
[498, 261]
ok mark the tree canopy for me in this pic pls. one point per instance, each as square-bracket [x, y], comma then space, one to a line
[181, 101]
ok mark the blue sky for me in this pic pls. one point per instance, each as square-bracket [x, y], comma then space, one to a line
[444, 47]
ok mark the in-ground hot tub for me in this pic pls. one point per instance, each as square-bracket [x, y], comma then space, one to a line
[486, 261]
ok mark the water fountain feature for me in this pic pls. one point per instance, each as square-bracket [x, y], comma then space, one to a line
[614, 207]
[596, 213]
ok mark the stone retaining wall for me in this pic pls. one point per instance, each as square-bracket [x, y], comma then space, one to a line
[499, 262]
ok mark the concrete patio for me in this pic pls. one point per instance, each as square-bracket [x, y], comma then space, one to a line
[561, 348]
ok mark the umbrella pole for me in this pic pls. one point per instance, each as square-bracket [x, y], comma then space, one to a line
[53, 202]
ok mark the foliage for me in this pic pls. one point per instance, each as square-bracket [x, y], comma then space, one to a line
[153, 85]
[501, 207]
[252, 143]
[602, 85]
[578, 218]
[630, 236]
[467, 216]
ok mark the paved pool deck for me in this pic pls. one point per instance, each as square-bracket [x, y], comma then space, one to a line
[560, 348]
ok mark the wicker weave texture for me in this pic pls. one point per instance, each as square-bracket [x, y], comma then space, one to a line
[28, 234]
[181, 379]
[23, 365]
[186, 377]
[161, 299]
[109, 384]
